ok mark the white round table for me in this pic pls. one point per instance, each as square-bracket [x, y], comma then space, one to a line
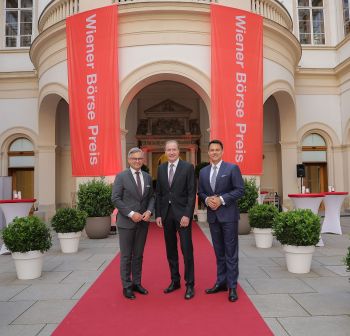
[308, 201]
[14, 208]
[333, 202]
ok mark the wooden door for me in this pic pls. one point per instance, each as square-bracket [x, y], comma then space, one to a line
[316, 177]
[23, 180]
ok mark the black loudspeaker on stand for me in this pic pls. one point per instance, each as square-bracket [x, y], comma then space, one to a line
[301, 174]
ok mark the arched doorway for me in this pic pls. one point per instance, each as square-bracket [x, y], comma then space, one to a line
[21, 166]
[167, 110]
[271, 180]
[314, 157]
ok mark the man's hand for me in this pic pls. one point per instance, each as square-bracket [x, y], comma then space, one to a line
[159, 222]
[146, 216]
[136, 217]
[184, 222]
[214, 202]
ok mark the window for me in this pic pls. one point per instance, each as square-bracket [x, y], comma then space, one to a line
[311, 22]
[18, 23]
[346, 15]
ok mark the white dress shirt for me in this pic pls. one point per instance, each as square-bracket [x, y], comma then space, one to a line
[175, 163]
[217, 175]
[133, 171]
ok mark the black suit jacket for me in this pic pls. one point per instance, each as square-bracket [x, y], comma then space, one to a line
[181, 194]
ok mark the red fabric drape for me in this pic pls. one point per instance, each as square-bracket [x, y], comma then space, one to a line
[237, 86]
[92, 55]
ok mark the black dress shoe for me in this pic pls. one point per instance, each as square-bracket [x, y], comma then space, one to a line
[140, 289]
[189, 294]
[174, 285]
[232, 295]
[128, 293]
[217, 288]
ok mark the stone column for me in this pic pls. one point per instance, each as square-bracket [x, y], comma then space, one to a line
[193, 151]
[123, 133]
[338, 168]
[289, 158]
[46, 177]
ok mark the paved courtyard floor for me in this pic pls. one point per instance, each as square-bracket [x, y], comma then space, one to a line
[317, 303]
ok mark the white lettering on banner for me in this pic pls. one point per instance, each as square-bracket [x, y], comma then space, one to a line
[240, 88]
[91, 89]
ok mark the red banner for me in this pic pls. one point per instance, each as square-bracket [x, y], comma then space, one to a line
[237, 86]
[93, 84]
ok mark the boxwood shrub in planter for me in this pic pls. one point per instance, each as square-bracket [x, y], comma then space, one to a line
[68, 223]
[299, 231]
[248, 200]
[94, 197]
[27, 238]
[261, 217]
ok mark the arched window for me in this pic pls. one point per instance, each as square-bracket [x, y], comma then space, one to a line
[314, 149]
[21, 166]
[314, 157]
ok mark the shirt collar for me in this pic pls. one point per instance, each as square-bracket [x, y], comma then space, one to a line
[217, 165]
[174, 163]
[133, 171]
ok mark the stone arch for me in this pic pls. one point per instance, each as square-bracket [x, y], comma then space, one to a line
[322, 129]
[283, 93]
[10, 135]
[334, 156]
[159, 71]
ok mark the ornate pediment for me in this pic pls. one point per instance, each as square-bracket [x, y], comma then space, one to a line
[168, 118]
[168, 108]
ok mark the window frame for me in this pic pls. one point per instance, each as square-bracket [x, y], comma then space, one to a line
[346, 22]
[18, 37]
[310, 9]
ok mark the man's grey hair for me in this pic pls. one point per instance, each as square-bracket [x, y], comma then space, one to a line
[134, 150]
[172, 141]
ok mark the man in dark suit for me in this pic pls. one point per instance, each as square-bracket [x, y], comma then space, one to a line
[220, 186]
[133, 196]
[175, 199]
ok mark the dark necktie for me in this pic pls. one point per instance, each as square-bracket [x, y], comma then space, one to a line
[138, 182]
[171, 174]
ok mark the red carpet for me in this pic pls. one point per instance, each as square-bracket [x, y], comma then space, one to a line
[104, 311]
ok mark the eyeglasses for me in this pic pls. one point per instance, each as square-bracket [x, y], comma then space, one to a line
[136, 159]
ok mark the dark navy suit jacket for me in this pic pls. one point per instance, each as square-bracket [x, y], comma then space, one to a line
[229, 185]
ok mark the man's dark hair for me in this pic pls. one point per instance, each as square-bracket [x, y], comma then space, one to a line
[216, 142]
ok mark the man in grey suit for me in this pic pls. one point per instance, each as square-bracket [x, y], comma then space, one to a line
[133, 196]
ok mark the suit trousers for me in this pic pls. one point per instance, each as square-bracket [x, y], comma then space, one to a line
[171, 227]
[132, 244]
[225, 241]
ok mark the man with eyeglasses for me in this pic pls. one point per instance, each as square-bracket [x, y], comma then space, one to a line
[133, 196]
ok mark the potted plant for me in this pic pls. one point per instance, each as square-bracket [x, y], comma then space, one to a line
[298, 231]
[201, 207]
[27, 238]
[248, 200]
[94, 197]
[261, 217]
[68, 223]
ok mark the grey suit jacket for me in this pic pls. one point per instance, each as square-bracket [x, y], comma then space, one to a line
[126, 198]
